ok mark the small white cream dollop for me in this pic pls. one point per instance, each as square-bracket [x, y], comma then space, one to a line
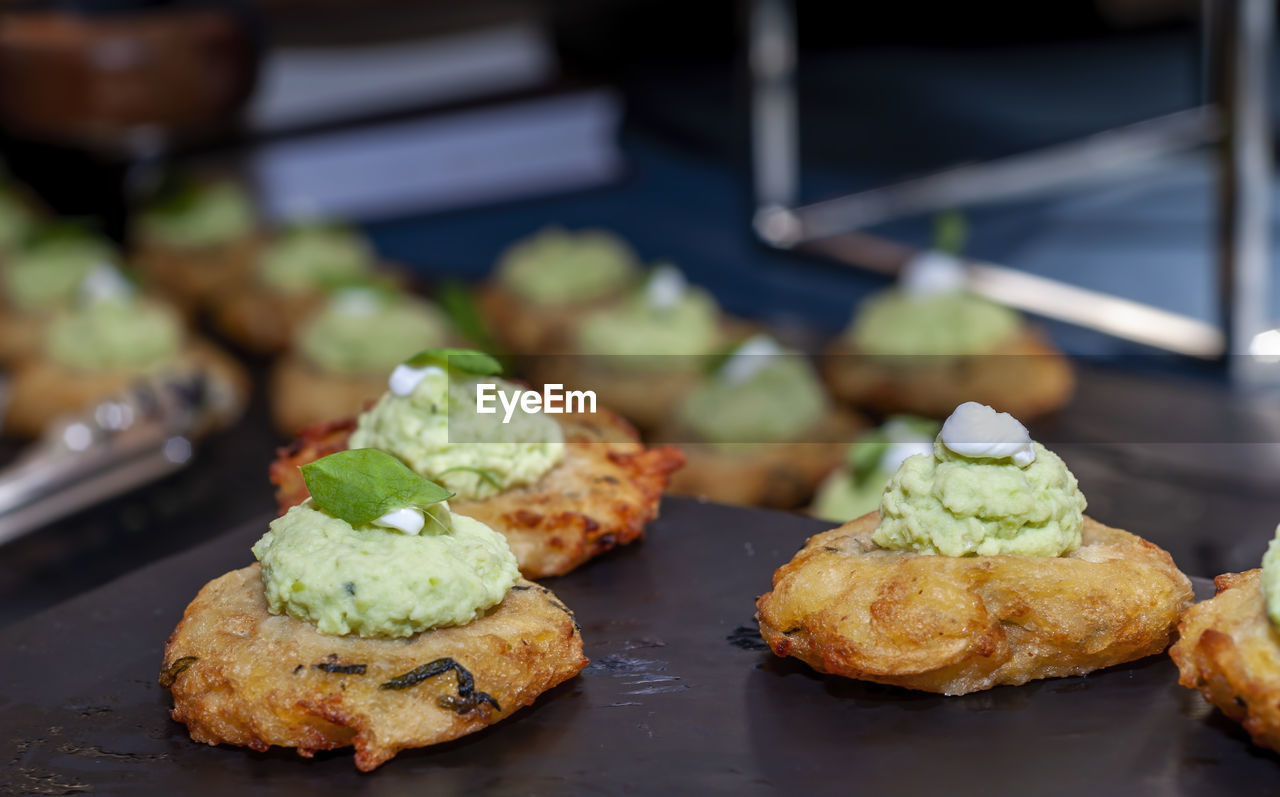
[898, 451]
[976, 430]
[356, 303]
[749, 358]
[105, 283]
[666, 287]
[404, 378]
[931, 273]
[409, 520]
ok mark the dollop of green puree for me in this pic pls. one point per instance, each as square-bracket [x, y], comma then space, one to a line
[558, 267]
[897, 323]
[690, 326]
[1271, 579]
[200, 215]
[437, 432]
[775, 399]
[955, 505]
[380, 582]
[314, 256]
[128, 332]
[365, 331]
[45, 273]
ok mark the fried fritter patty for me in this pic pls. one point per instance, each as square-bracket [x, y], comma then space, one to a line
[1025, 377]
[1229, 650]
[44, 390]
[601, 495]
[962, 624]
[527, 328]
[303, 396]
[776, 475]
[194, 277]
[240, 675]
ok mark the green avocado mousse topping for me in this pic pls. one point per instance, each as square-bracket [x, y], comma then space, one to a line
[760, 393]
[45, 272]
[986, 489]
[855, 489]
[560, 267]
[1271, 579]
[429, 418]
[113, 327]
[665, 317]
[16, 218]
[376, 552]
[368, 330]
[931, 312]
[309, 257]
[195, 214]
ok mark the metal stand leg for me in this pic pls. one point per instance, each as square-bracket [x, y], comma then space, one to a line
[1242, 31]
[1239, 40]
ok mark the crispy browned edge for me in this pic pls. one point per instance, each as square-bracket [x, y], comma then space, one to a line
[1229, 651]
[604, 492]
[1025, 377]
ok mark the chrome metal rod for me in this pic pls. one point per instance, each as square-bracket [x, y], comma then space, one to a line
[774, 126]
[1244, 32]
[1101, 155]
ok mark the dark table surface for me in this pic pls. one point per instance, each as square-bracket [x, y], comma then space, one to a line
[680, 697]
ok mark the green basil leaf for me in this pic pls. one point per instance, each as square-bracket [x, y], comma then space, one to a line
[361, 485]
[713, 362]
[174, 196]
[466, 361]
[950, 232]
[459, 305]
[865, 455]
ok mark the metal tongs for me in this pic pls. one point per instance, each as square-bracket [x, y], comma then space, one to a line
[120, 444]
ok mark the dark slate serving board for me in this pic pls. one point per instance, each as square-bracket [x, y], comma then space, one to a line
[681, 697]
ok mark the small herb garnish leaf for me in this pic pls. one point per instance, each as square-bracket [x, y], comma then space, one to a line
[950, 232]
[459, 304]
[360, 485]
[484, 474]
[466, 361]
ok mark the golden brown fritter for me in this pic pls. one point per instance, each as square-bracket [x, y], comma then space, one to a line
[601, 495]
[194, 277]
[523, 327]
[1024, 377]
[304, 396]
[776, 475]
[260, 319]
[962, 624]
[44, 390]
[1229, 650]
[240, 675]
